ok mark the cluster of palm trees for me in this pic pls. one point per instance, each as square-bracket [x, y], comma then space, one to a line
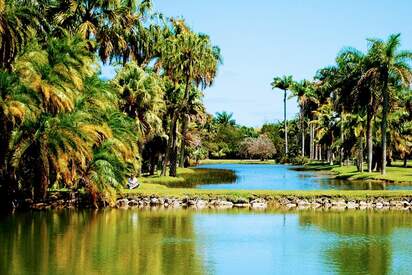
[63, 126]
[364, 99]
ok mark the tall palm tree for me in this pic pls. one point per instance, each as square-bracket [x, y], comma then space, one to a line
[391, 68]
[189, 58]
[284, 83]
[303, 91]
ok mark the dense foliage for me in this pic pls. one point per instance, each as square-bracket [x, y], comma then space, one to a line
[62, 126]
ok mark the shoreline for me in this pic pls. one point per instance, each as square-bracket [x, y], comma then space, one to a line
[293, 200]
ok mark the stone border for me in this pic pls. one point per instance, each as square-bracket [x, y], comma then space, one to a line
[73, 201]
[289, 202]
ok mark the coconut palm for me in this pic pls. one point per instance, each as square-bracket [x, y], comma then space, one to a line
[391, 68]
[284, 83]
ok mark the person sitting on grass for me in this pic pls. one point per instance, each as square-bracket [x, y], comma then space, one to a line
[132, 183]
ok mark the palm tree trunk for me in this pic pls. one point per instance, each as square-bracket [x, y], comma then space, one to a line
[320, 152]
[384, 124]
[405, 160]
[43, 178]
[311, 145]
[153, 163]
[286, 123]
[341, 145]
[369, 139]
[182, 146]
[184, 122]
[173, 151]
[303, 132]
[360, 155]
[169, 144]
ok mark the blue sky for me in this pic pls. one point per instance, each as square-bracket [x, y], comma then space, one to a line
[263, 38]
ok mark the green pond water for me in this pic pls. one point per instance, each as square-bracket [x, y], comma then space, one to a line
[205, 242]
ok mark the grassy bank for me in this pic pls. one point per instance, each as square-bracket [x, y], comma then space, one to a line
[161, 190]
[236, 161]
[396, 174]
[393, 174]
[190, 177]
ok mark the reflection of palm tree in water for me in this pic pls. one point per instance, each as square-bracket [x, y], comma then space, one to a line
[364, 246]
[89, 242]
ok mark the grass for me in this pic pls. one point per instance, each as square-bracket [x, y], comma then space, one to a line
[190, 177]
[236, 161]
[395, 173]
[151, 189]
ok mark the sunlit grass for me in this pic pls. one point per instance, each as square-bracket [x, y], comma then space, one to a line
[393, 173]
[150, 189]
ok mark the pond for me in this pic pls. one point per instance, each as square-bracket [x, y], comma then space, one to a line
[283, 177]
[205, 242]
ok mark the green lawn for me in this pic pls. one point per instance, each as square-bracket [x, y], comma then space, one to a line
[151, 189]
[393, 173]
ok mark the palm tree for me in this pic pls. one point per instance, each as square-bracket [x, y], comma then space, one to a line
[17, 105]
[189, 58]
[142, 98]
[56, 135]
[225, 119]
[107, 23]
[56, 74]
[195, 111]
[19, 21]
[401, 123]
[284, 83]
[391, 69]
[303, 91]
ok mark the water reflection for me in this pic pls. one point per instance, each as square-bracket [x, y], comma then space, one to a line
[88, 242]
[206, 242]
[366, 240]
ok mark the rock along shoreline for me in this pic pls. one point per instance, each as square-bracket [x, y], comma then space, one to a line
[282, 202]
